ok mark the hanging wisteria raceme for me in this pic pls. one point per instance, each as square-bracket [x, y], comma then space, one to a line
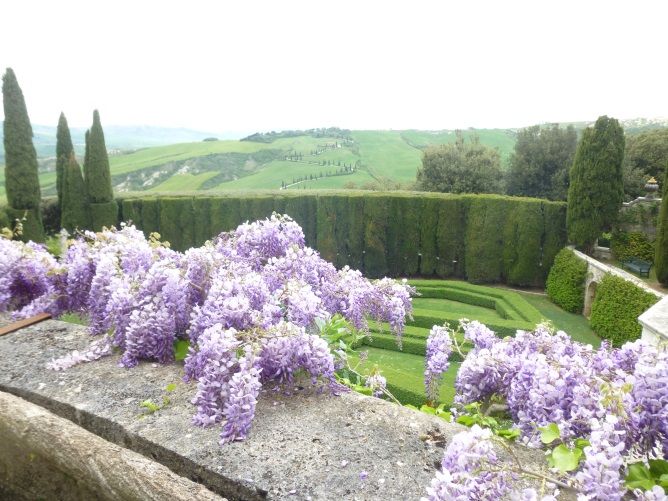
[439, 347]
[256, 290]
[617, 399]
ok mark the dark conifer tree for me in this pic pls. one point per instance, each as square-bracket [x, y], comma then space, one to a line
[596, 188]
[103, 208]
[64, 149]
[98, 182]
[74, 213]
[661, 256]
[21, 170]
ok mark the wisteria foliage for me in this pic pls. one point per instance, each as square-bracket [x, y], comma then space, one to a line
[248, 303]
[617, 399]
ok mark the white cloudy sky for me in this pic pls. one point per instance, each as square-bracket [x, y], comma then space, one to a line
[262, 65]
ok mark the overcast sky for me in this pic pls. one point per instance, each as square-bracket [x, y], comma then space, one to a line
[261, 65]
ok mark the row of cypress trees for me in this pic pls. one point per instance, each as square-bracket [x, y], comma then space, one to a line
[85, 200]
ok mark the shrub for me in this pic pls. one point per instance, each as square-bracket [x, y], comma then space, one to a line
[565, 283]
[616, 307]
[625, 246]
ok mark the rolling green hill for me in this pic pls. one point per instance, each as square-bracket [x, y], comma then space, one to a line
[313, 159]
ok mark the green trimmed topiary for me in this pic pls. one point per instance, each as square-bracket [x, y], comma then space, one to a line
[521, 258]
[401, 234]
[64, 149]
[485, 238]
[566, 281]
[375, 235]
[98, 175]
[21, 171]
[616, 307]
[74, 213]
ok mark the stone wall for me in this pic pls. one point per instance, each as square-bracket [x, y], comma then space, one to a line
[303, 446]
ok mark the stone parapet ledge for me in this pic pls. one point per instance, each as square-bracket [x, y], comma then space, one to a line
[43, 456]
[655, 322]
[302, 446]
[605, 268]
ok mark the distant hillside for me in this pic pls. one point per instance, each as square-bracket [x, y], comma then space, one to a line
[312, 159]
[120, 138]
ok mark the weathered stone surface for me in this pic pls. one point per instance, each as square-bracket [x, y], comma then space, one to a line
[43, 456]
[304, 446]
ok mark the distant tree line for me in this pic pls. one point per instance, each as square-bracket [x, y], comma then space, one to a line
[268, 137]
[539, 165]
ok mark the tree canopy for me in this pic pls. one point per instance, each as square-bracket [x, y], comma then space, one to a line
[596, 190]
[461, 167]
[540, 163]
[646, 156]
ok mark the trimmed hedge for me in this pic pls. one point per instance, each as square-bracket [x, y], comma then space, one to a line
[103, 215]
[481, 238]
[507, 303]
[616, 307]
[566, 281]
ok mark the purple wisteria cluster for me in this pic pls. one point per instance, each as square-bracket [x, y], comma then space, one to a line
[247, 303]
[617, 399]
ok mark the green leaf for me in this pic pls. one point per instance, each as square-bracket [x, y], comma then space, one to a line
[658, 467]
[150, 406]
[170, 387]
[581, 443]
[181, 349]
[428, 410]
[508, 434]
[364, 390]
[639, 477]
[566, 459]
[549, 433]
[663, 480]
[466, 420]
[411, 406]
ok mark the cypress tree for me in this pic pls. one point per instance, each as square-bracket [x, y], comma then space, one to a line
[64, 149]
[21, 171]
[661, 256]
[103, 208]
[74, 213]
[596, 188]
[98, 180]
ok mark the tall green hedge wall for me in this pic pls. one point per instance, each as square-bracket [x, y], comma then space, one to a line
[483, 238]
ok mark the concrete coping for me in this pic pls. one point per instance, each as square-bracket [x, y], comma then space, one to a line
[655, 322]
[302, 446]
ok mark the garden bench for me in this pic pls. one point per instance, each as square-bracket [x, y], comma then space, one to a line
[638, 266]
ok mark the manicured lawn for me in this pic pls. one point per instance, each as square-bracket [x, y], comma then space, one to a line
[406, 371]
[575, 325]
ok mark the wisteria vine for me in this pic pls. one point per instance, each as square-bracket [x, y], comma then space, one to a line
[611, 404]
[248, 303]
